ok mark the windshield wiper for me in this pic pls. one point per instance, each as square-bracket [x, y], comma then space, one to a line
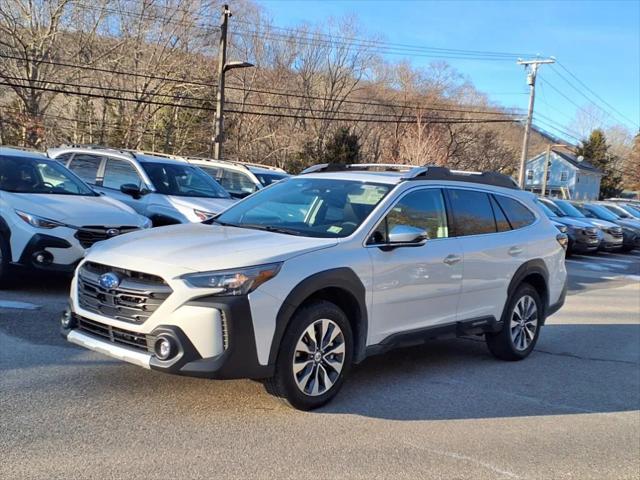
[270, 228]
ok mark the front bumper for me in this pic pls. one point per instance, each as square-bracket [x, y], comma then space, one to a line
[238, 359]
[52, 250]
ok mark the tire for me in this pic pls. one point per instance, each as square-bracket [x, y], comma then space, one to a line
[319, 376]
[5, 267]
[520, 332]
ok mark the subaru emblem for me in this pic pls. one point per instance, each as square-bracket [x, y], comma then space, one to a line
[112, 232]
[109, 281]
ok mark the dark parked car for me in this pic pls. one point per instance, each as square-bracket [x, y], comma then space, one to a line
[583, 237]
[612, 233]
[630, 228]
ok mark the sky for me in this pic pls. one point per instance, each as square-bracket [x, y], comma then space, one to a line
[597, 41]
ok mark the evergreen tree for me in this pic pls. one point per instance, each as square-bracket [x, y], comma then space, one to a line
[597, 152]
[343, 147]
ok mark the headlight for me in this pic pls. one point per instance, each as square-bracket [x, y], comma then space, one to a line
[233, 282]
[562, 228]
[204, 216]
[38, 222]
[147, 223]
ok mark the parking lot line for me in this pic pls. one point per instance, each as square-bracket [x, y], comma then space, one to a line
[18, 305]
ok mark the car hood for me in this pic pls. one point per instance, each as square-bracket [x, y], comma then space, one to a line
[198, 247]
[76, 210]
[211, 205]
[596, 222]
[573, 222]
[625, 222]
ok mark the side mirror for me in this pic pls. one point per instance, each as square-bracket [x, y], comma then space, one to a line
[407, 235]
[132, 190]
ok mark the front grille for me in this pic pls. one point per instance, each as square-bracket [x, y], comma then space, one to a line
[138, 341]
[591, 231]
[134, 300]
[615, 232]
[90, 234]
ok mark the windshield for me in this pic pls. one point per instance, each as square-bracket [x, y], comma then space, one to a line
[619, 211]
[602, 213]
[556, 212]
[545, 209]
[183, 181]
[267, 179]
[39, 175]
[569, 209]
[310, 207]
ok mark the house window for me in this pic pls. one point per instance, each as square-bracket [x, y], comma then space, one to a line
[564, 176]
[548, 175]
[529, 174]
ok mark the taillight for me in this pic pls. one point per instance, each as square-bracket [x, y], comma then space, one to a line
[563, 240]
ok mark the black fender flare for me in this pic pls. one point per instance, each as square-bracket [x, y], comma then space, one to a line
[5, 232]
[535, 266]
[161, 220]
[343, 278]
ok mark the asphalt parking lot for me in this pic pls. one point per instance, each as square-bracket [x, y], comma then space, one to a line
[443, 410]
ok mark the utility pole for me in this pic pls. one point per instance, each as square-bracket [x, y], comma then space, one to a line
[532, 66]
[215, 149]
[547, 164]
[216, 141]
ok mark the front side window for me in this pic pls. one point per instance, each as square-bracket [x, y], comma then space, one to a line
[237, 182]
[518, 215]
[118, 173]
[34, 175]
[182, 180]
[312, 207]
[86, 167]
[472, 213]
[423, 209]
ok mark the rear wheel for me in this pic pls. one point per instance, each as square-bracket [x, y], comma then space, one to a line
[315, 355]
[522, 320]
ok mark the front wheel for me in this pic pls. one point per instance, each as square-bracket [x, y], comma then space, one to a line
[315, 355]
[521, 320]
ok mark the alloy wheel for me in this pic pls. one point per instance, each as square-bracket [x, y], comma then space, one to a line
[319, 357]
[524, 322]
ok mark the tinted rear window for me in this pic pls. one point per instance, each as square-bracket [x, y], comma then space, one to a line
[518, 215]
[472, 213]
[85, 166]
[502, 223]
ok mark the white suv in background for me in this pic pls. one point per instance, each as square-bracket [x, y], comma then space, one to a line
[48, 216]
[166, 189]
[240, 179]
[299, 281]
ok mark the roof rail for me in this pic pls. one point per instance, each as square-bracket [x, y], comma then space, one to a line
[426, 172]
[486, 178]
[343, 167]
[93, 146]
[154, 154]
[238, 162]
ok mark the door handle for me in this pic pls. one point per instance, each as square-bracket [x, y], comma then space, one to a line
[514, 251]
[452, 259]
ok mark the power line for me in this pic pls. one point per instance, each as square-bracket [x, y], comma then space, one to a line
[435, 107]
[269, 114]
[354, 40]
[595, 94]
[382, 50]
[105, 70]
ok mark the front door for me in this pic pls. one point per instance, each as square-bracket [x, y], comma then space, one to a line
[414, 287]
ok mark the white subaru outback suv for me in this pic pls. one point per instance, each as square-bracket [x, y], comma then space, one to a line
[299, 281]
[49, 217]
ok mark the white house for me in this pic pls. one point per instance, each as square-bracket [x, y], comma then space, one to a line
[566, 174]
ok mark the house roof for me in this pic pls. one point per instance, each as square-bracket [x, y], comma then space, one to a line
[572, 160]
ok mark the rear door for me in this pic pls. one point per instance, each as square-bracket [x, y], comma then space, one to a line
[491, 248]
[415, 287]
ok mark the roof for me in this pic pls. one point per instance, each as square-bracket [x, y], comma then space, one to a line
[21, 152]
[572, 160]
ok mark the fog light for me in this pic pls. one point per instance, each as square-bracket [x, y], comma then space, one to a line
[43, 258]
[164, 348]
[67, 320]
